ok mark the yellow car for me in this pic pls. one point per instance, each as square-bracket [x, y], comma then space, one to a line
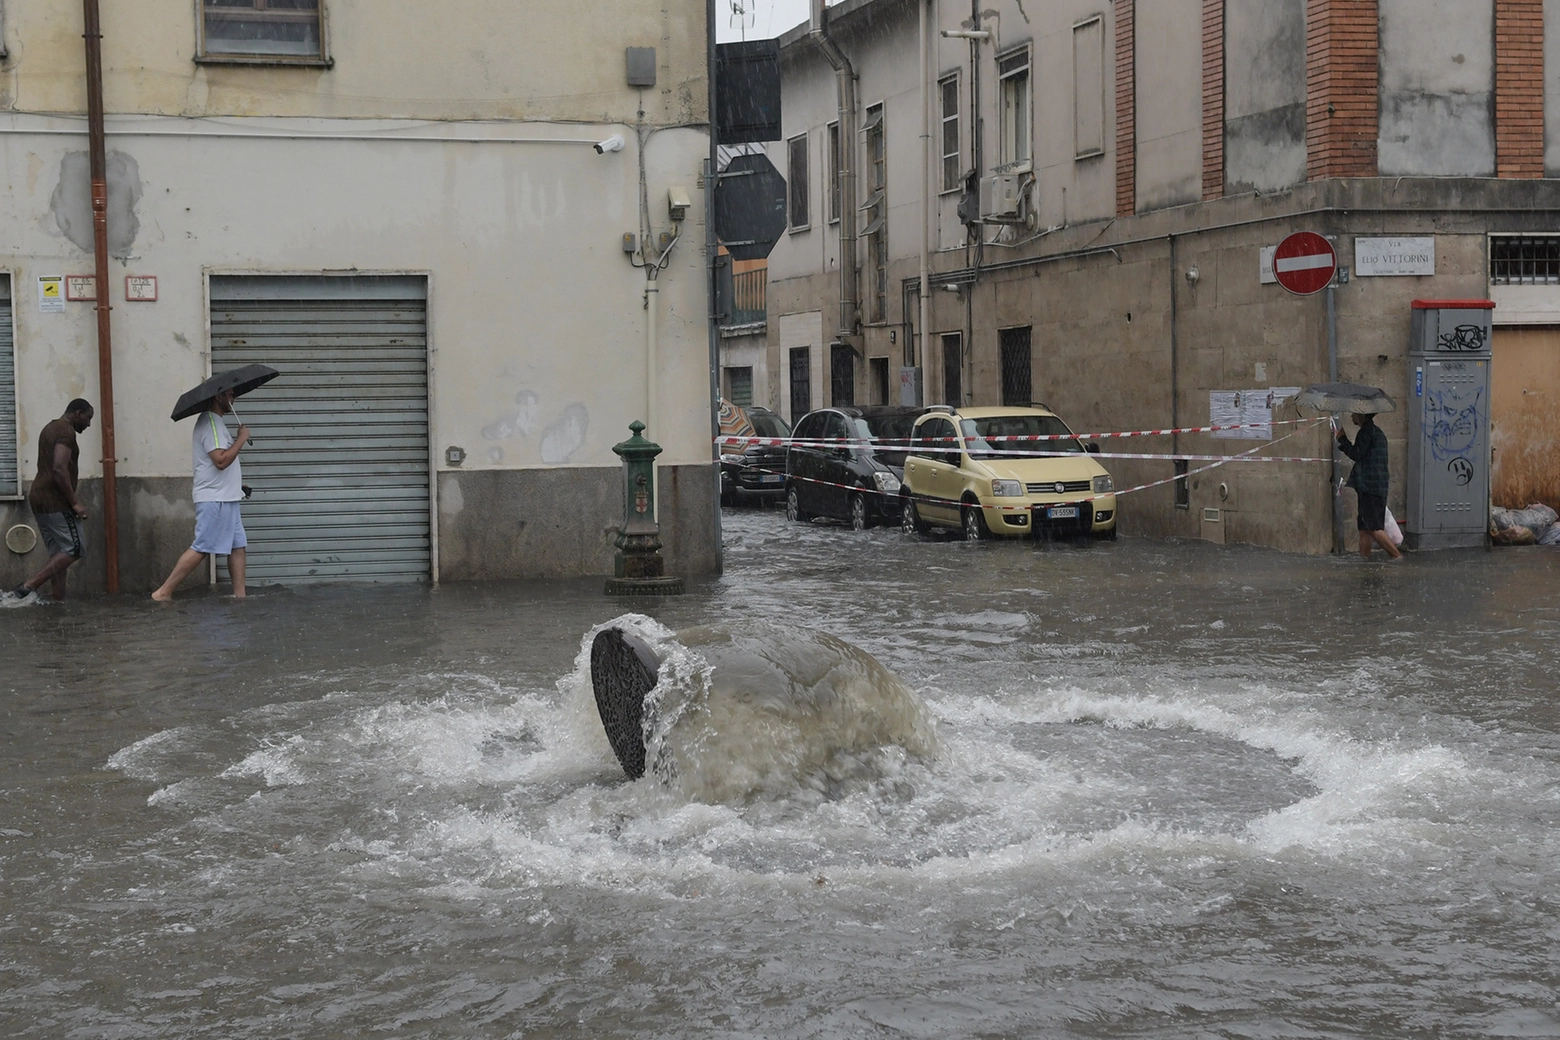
[960, 474]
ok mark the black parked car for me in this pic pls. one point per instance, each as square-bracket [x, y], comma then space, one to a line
[760, 469]
[847, 464]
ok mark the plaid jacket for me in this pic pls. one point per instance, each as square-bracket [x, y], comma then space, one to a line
[1369, 452]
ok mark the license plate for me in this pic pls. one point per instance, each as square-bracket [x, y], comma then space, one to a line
[771, 478]
[1062, 513]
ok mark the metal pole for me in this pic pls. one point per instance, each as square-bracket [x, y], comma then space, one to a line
[1175, 349]
[93, 35]
[1332, 377]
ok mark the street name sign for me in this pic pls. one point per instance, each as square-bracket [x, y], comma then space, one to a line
[1304, 263]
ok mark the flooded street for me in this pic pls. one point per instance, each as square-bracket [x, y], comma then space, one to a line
[1183, 791]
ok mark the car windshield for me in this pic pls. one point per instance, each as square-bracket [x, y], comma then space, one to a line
[978, 433]
[770, 425]
[890, 434]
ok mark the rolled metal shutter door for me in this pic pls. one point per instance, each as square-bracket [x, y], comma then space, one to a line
[10, 454]
[340, 466]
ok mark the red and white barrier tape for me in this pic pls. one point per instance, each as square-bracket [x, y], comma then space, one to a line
[1218, 460]
[732, 440]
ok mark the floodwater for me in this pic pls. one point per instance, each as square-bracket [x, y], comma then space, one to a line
[1179, 790]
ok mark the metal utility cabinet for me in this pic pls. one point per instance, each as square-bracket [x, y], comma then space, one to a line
[1449, 424]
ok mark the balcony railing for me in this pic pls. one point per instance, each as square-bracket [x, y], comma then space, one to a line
[743, 296]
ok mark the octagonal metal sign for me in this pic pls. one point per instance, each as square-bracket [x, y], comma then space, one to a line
[750, 207]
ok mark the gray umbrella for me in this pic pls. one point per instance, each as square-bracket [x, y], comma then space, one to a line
[1346, 397]
[239, 380]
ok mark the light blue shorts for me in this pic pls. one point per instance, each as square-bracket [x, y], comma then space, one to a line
[218, 528]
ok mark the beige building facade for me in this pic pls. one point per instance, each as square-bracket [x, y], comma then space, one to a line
[1098, 187]
[439, 224]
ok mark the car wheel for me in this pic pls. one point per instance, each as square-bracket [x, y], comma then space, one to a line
[858, 512]
[793, 506]
[975, 529]
[910, 518]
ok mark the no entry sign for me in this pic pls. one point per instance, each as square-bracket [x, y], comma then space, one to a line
[1304, 263]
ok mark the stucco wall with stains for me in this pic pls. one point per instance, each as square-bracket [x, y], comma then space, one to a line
[477, 171]
[1264, 95]
[1437, 89]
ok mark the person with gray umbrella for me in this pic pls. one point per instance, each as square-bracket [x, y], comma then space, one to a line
[1368, 478]
[219, 483]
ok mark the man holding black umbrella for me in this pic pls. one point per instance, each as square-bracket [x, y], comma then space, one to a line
[1368, 478]
[219, 525]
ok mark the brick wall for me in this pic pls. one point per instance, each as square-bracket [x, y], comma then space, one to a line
[1519, 88]
[1126, 107]
[1342, 88]
[1213, 98]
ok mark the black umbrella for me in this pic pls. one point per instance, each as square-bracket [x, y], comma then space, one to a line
[1346, 397]
[239, 380]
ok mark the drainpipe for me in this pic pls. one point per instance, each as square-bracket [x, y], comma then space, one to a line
[926, 199]
[711, 256]
[93, 35]
[845, 80]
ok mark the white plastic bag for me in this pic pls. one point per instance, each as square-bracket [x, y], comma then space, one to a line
[1394, 532]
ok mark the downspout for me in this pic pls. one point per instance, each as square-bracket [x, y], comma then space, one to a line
[926, 201]
[97, 150]
[845, 80]
[711, 255]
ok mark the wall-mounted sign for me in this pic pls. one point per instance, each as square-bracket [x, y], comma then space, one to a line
[1380, 257]
[1304, 263]
[141, 287]
[1265, 273]
[80, 287]
[51, 293]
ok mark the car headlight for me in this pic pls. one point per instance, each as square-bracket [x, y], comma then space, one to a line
[1007, 489]
[886, 482]
[733, 460]
[1103, 484]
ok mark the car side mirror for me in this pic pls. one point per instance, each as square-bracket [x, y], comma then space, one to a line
[1092, 448]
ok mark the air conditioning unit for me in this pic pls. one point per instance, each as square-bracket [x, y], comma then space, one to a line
[1002, 199]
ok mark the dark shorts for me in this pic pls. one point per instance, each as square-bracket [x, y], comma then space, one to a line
[1372, 512]
[61, 533]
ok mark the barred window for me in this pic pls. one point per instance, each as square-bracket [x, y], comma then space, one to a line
[1525, 260]
[262, 30]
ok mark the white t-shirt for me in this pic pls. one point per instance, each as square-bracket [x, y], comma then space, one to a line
[213, 484]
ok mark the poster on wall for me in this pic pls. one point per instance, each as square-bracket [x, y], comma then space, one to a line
[1252, 410]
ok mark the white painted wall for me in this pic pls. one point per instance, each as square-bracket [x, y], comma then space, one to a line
[530, 293]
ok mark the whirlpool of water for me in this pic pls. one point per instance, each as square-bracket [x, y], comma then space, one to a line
[913, 788]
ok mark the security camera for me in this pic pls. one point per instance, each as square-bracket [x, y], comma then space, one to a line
[611, 144]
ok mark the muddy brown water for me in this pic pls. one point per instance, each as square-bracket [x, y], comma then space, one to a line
[1183, 791]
